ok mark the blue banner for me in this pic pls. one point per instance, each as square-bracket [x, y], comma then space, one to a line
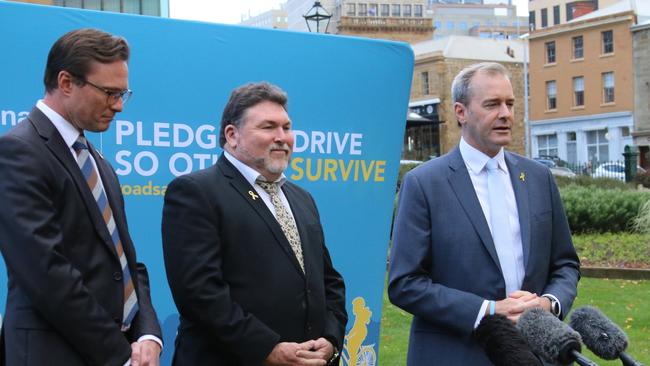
[348, 99]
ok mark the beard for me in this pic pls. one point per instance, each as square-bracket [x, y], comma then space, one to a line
[267, 162]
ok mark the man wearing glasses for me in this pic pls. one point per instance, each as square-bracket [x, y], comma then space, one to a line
[77, 295]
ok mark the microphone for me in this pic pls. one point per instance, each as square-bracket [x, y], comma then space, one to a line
[550, 338]
[604, 338]
[503, 343]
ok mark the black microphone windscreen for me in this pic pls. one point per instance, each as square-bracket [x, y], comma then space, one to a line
[604, 338]
[503, 343]
[548, 336]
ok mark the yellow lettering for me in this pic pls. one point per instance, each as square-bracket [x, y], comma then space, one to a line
[298, 173]
[330, 169]
[345, 172]
[366, 172]
[319, 165]
[380, 168]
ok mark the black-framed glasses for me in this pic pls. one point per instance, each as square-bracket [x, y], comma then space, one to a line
[112, 96]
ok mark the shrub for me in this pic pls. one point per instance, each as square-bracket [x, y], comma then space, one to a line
[626, 250]
[591, 209]
[588, 181]
[641, 222]
[403, 169]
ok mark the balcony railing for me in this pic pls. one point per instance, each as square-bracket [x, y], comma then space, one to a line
[418, 24]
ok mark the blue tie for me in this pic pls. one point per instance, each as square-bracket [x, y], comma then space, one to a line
[92, 178]
[501, 234]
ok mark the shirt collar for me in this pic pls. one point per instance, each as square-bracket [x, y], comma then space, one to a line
[476, 160]
[69, 132]
[249, 173]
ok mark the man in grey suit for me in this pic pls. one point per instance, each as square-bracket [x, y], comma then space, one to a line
[478, 231]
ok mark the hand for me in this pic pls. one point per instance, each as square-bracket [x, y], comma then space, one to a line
[145, 353]
[286, 354]
[322, 350]
[515, 304]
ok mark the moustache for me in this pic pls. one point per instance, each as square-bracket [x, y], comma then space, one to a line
[284, 147]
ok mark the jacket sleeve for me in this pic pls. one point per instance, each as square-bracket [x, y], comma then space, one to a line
[410, 285]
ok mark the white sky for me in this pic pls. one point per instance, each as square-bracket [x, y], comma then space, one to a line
[230, 11]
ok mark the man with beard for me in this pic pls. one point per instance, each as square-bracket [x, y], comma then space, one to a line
[244, 250]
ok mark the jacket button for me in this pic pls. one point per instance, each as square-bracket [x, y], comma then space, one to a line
[117, 320]
[117, 276]
[309, 327]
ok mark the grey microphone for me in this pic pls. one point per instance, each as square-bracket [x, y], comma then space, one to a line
[551, 339]
[604, 338]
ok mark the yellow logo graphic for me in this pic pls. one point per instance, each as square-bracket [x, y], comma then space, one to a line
[355, 353]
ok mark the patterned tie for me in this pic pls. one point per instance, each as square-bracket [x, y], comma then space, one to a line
[501, 227]
[285, 220]
[92, 178]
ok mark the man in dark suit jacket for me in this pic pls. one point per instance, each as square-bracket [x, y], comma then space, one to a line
[447, 267]
[248, 268]
[77, 295]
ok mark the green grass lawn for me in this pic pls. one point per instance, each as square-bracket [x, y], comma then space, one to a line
[626, 302]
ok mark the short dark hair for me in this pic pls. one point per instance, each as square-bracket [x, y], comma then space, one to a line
[76, 50]
[245, 97]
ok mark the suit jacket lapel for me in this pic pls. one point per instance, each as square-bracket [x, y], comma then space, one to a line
[518, 179]
[60, 150]
[461, 184]
[247, 192]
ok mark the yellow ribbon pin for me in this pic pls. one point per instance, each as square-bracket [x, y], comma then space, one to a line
[253, 195]
[522, 176]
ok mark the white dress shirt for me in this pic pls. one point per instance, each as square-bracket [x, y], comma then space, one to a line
[475, 162]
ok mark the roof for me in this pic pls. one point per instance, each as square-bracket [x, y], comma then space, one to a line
[640, 7]
[472, 48]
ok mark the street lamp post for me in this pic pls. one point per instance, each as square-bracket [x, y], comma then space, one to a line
[317, 15]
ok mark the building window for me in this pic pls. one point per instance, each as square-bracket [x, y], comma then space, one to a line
[417, 11]
[608, 87]
[396, 10]
[547, 145]
[550, 52]
[625, 131]
[571, 148]
[531, 20]
[363, 10]
[437, 24]
[385, 10]
[372, 10]
[578, 91]
[131, 6]
[578, 48]
[551, 95]
[150, 7]
[352, 9]
[556, 15]
[92, 4]
[608, 41]
[450, 25]
[424, 80]
[544, 18]
[597, 145]
[111, 6]
[406, 11]
[462, 25]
